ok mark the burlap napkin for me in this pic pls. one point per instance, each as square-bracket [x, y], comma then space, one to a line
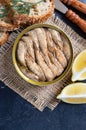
[40, 97]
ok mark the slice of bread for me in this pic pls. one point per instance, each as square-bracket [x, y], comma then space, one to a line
[3, 37]
[39, 13]
[6, 26]
[5, 23]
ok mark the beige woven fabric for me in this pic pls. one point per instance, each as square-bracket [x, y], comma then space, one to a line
[40, 97]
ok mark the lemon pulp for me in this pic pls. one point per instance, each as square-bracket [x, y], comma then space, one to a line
[79, 67]
[76, 90]
[81, 62]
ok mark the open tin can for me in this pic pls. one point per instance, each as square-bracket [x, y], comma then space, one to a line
[14, 55]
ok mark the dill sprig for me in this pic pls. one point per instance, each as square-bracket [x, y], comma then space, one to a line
[18, 6]
[4, 10]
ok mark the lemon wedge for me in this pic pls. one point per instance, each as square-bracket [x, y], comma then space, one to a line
[79, 67]
[74, 93]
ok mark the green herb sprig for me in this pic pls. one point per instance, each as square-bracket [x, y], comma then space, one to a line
[18, 6]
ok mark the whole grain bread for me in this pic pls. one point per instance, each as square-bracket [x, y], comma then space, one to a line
[5, 23]
[38, 14]
[5, 26]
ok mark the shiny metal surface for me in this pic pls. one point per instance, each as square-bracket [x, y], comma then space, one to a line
[60, 6]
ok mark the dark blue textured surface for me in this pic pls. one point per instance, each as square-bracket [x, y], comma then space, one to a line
[18, 114]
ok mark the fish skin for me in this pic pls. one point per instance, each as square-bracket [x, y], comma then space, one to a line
[29, 44]
[56, 38]
[47, 71]
[42, 39]
[21, 51]
[49, 39]
[66, 48]
[61, 57]
[56, 63]
[33, 34]
[34, 67]
[28, 73]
